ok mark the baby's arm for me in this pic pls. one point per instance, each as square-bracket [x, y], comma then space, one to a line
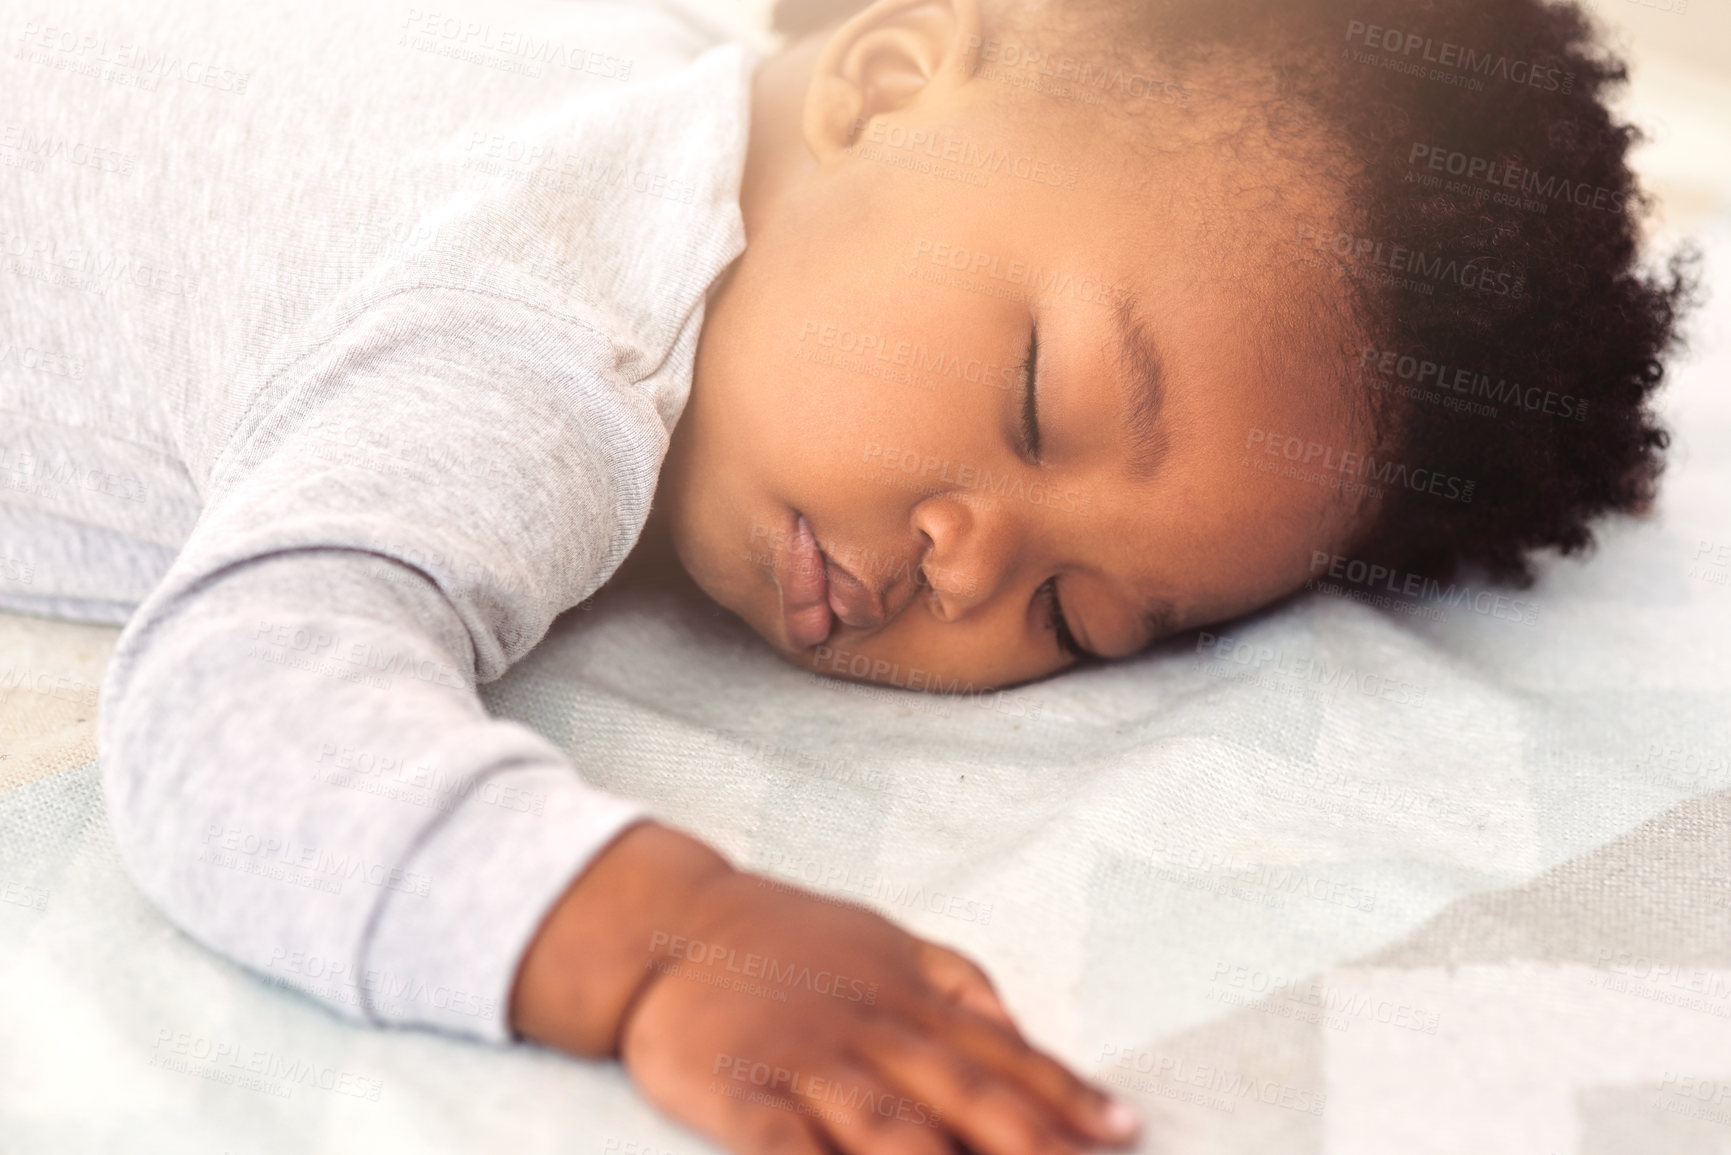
[402, 519]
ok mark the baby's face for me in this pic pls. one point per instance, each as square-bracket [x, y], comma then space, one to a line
[1001, 405]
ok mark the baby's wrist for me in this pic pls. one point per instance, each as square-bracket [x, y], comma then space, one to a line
[601, 945]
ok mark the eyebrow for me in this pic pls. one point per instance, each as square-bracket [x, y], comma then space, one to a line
[1142, 364]
[1139, 357]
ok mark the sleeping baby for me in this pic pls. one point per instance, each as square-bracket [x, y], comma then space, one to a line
[952, 345]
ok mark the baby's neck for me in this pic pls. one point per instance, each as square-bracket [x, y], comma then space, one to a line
[652, 562]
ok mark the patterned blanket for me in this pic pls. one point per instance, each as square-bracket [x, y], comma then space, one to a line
[1367, 873]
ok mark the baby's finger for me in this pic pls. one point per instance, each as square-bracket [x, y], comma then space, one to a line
[961, 980]
[1086, 1109]
[866, 1115]
[992, 1115]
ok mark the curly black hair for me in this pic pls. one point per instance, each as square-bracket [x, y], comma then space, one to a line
[1514, 340]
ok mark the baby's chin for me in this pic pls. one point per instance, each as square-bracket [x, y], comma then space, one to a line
[757, 606]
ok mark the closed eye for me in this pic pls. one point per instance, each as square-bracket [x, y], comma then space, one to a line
[1030, 404]
[1059, 625]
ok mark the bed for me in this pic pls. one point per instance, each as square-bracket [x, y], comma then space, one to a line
[1447, 875]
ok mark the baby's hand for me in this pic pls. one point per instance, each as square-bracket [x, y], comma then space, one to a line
[773, 1021]
[782, 1023]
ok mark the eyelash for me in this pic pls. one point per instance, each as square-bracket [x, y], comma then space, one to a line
[1055, 621]
[1030, 406]
[1048, 593]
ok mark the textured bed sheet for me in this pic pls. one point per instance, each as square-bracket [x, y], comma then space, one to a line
[1442, 878]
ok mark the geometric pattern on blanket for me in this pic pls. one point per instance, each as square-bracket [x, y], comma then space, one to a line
[1474, 897]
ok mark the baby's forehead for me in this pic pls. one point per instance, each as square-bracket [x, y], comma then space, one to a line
[1252, 320]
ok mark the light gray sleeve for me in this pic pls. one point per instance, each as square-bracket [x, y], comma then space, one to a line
[298, 769]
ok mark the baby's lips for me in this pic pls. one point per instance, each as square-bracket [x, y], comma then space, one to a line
[809, 626]
[804, 588]
[853, 603]
[804, 583]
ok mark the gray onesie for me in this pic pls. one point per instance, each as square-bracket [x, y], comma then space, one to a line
[340, 342]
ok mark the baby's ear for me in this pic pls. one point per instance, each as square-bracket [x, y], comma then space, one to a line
[891, 55]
